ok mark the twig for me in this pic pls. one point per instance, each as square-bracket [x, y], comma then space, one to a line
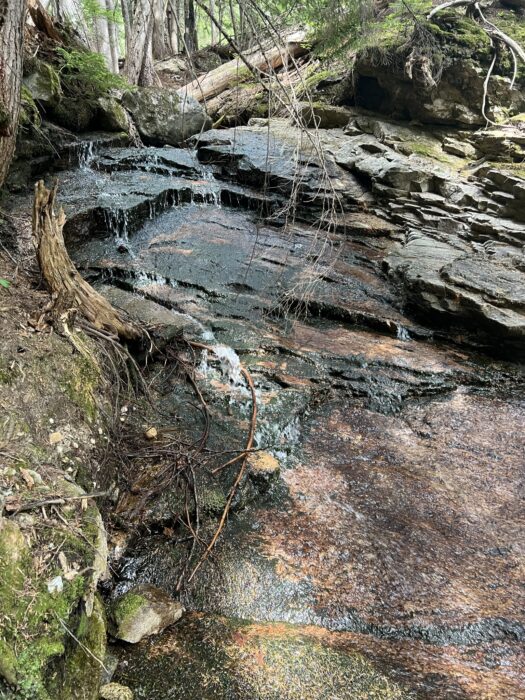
[88, 651]
[32, 505]
[238, 479]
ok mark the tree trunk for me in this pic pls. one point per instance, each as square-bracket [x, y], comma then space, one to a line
[190, 34]
[12, 16]
[214, 34]
[65, 283]
[139, 45]
[174, 38]
[159, 42]
[219, 79]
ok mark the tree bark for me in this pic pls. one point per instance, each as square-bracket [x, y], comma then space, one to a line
[219, 79]
[190, 32]
[65, 283]
[12, 16]
[139, 45]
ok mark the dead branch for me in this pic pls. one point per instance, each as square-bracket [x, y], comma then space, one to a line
[65, 283]
[240, 473]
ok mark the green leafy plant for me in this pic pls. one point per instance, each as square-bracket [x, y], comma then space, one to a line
[85, 73]
[4, 283]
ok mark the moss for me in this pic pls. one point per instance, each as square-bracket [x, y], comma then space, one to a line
[126, 606]
[212, 501]
[78, 674]
[81, 385]
[312, 80]
[29, 114]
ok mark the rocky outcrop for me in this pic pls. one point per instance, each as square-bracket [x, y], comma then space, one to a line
[163, 116]
[456, 52]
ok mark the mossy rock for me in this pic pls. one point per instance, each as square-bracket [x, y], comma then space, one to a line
[81, 670]
[38, 621]
[43, 84]
[143, 611]
[74, 114]
[111, 115]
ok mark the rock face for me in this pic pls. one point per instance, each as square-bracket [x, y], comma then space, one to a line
[143, 611]
[163, 117]
[389, 79]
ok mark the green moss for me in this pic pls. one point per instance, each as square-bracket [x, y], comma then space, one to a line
[212, 501]
[78, 675]
[126, 606]
[81, 385]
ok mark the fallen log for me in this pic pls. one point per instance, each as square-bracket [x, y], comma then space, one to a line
[216, 81]
[68, 288]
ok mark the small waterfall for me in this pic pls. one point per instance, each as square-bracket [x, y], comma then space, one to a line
[85, 155]
[117, 221]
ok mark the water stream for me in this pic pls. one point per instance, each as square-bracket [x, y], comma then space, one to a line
[389, 530]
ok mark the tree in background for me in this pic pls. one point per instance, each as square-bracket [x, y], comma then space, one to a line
[12, 17]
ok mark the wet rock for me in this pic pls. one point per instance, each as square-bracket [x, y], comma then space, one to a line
[143, 611]
[209, 657]
[162, 116]
[115, 691]
[447, 279]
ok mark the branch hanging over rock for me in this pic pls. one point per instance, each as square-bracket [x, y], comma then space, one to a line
[64, 281]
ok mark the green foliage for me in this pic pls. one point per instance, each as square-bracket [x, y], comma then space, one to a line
[4, 283]
[85, 74]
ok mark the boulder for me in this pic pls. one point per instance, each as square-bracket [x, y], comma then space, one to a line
[163, 116]
[143, 611]
[111, 115]
[461, 57]
[43, 84]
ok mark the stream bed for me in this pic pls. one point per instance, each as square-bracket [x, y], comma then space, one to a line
[378, 553]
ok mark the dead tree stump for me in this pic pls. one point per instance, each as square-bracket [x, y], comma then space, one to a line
[65, 283]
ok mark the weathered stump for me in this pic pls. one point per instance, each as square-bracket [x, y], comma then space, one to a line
[65, 283]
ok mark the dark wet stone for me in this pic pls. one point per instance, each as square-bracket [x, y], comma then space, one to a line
[215, 658]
